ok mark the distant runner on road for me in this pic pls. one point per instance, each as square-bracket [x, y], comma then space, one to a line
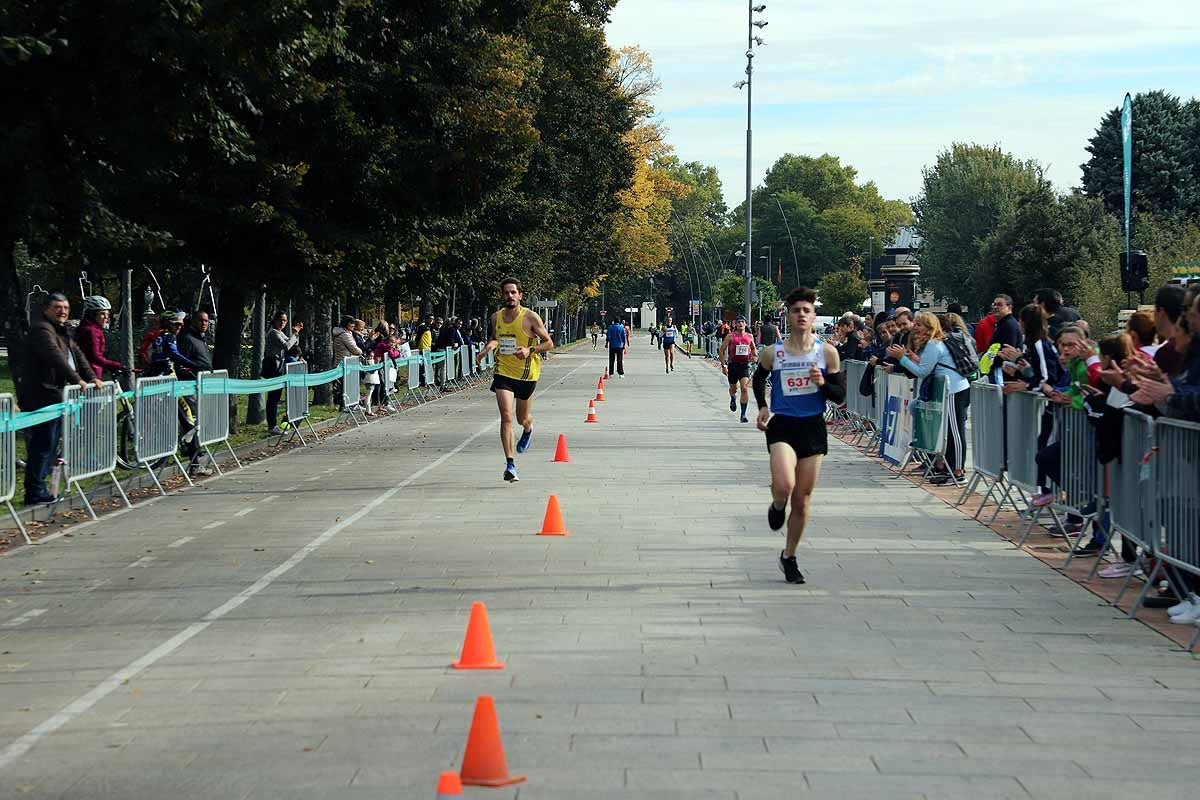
[736, 353]
[519, 335]
[804, 372]
[668, 334]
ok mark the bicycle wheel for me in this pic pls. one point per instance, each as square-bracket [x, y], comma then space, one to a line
[127, 441]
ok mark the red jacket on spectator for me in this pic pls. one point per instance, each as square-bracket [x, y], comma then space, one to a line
[90, 338]
[983, 333]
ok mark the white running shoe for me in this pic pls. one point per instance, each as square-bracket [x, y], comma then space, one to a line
[1188, 617]
[1185, 606]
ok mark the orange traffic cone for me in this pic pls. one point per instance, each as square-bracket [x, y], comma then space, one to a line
[600, 394]
[483, 762]
[552, 524]
[449, 785]
[477, 650]
[606, 373]
[600, 383]
[591, 417]
[560, 453]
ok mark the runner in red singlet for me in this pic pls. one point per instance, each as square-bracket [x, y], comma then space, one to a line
[736, 354]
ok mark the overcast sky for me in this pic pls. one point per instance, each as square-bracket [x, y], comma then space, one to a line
[886, 85]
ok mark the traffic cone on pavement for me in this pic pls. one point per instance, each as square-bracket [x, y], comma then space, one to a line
[599, 394]
[449, 785]
[591, 417]
[483, 762]
[552, 523]
[600, 383]
[560, 452]
[606, 373]
[477, 650]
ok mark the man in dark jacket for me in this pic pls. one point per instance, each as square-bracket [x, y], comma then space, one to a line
[1007, 332]
[53, 361]
[193, 346]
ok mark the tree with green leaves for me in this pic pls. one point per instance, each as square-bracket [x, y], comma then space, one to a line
[839, 292]
[965, 196]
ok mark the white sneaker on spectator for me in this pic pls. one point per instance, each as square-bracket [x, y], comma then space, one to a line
[1117, 570]
[1187, 604]
[1188, 617]
[276, 431]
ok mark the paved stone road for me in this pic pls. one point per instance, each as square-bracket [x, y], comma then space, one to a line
[284, 632]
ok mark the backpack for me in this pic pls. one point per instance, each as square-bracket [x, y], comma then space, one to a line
[966, 362]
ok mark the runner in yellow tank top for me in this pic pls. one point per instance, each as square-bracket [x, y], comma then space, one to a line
[519, 335]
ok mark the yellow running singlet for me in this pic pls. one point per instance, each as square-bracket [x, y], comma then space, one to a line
[511, 335]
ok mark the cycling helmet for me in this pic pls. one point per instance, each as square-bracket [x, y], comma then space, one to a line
[96, 303]
[173, 316]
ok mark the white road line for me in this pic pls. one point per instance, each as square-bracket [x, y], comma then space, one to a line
[313, 478]
[82, 704]
[96, 585]
[143, 562]
[212, 525]
[180, 542]
[268, 499]
[292, 488]
[244, 512]
[21, 620]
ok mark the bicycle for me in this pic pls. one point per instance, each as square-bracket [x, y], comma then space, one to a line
[127, 435]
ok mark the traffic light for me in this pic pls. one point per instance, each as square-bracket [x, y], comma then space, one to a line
[1135, 271]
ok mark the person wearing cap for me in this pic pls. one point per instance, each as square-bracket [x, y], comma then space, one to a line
[163, 355]
[736, 353]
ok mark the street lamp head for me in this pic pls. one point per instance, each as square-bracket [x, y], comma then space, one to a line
[761, 8]
[740, 84]
[758, 40]
[760, 23]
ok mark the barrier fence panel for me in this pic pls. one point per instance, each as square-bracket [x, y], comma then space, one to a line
[450, 371]
[297, 403]
[929, 426]
[1079, 472]
[352, 391]
[212, 413]
[156, 425]
[1175, 471]
[879, 403]
[8, 460]
[987, 442]
[414, 378]
[430, 383]
[1131, 496]
[1023, 420]
[90, 437]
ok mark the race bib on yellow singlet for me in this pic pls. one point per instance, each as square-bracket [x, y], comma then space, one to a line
[508, 345]
[797, 382]
[741, 349]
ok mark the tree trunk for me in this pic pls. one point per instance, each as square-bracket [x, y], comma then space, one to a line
[228, 352]
[255, 413]
[322, 349]
[13, 322]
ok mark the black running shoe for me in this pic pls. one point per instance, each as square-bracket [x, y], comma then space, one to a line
[1089, 550]
[775, 517]
[791, 572]
[732, 404]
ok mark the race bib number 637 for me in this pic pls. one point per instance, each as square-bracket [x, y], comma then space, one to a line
[797, 382]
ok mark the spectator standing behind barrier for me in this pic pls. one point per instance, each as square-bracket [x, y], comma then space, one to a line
[343, 345]
[53, 360]
[275, 349]
[983, 332]
[956, 308]
[1058, 316]
[193, 346]
[1006, 333]
[616, 349]
[1177, 397]
[935, 359]
[91, 338]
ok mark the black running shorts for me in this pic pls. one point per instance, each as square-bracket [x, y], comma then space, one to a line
[737, 372]
[522, 390]
[805, 435]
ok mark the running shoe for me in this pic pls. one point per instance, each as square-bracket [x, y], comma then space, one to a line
[1118, 570]
[775, 517]
[510, 474]
[523, 442]
[1186, 605]
[1043, 499]
[745, 420]
[791, 572]
[732, 404]
[1089, 550]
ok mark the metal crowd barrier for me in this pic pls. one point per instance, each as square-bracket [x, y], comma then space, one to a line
[8, 461]
[297, 403]
[351, 391]
[156, 425]
[1023, 421]
[1080, 473]
[430, 383]
[212, 413]
[879, 405]
[930, 416]
[90, 437]
[1175, 471]
[414, 388]
[1130, 504]
[987, 445]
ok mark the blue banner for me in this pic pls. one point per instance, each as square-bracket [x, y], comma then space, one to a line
[1127, 147]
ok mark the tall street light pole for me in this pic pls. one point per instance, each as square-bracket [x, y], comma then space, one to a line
[747, 84]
